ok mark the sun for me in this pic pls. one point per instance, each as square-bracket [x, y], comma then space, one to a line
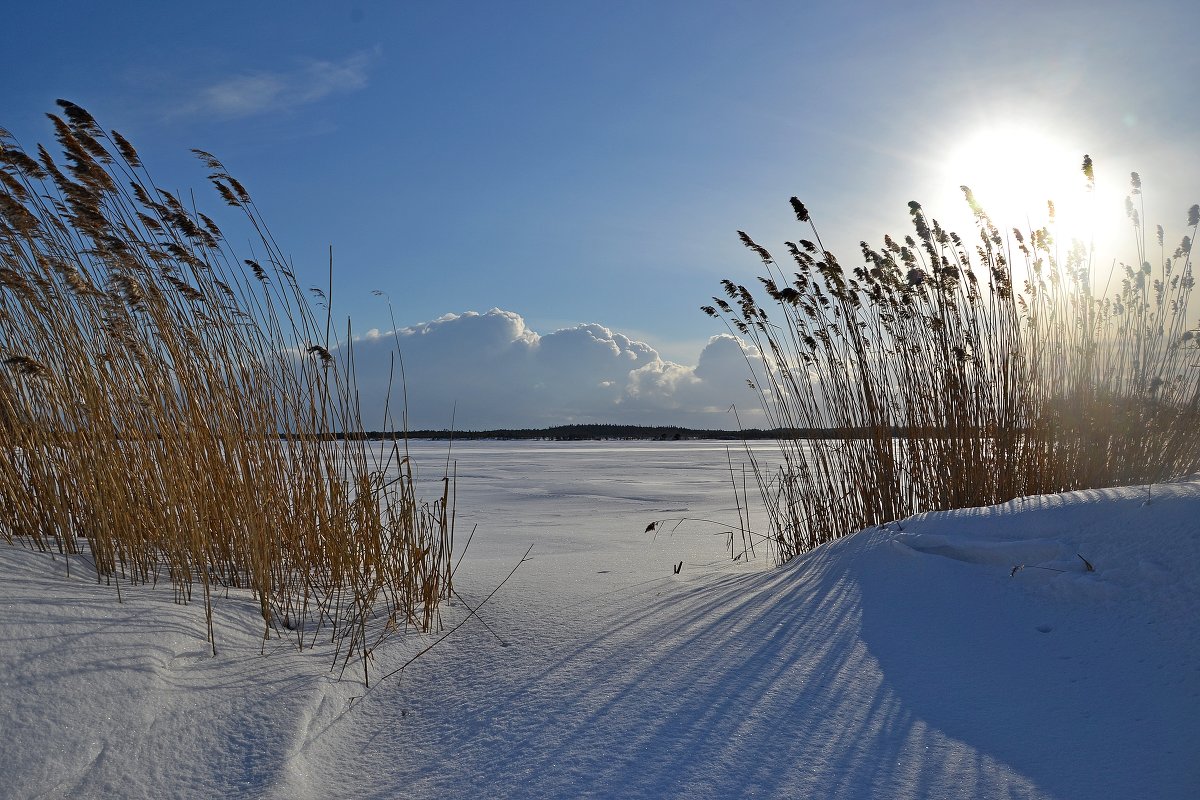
[1014, 169]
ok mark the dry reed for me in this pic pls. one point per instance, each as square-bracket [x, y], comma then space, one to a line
[932, 378]
[182, 414]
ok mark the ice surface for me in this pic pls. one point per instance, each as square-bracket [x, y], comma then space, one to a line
[960, 654]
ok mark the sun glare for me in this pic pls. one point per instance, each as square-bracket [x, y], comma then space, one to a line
[1014, 170]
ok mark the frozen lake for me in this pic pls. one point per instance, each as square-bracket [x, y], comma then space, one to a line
[584, 506]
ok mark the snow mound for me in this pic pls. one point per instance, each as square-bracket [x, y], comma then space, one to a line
[1037, 552]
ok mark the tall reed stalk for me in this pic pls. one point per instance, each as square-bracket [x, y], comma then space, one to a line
[933, 377]
[183, 414]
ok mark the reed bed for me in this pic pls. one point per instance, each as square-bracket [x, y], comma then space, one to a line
[944, 378]
[182, 414]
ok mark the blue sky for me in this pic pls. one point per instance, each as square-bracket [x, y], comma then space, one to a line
[590, 162]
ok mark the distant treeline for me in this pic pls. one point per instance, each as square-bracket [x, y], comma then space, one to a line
[572, 433]
[568, 433]
[658, 433]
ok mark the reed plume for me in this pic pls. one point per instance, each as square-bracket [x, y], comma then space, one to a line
[933, 377]
[182, 414]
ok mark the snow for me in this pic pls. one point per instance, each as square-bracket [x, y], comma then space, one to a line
[959, 654]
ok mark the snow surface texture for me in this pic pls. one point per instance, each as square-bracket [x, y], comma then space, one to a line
[961, 654]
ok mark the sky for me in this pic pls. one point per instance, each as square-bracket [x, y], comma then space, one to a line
[573, 175]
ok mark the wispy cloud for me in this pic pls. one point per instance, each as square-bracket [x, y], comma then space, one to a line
[261, 92]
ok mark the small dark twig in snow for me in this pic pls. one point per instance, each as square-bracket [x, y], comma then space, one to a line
[474, 612]
[1020, 567]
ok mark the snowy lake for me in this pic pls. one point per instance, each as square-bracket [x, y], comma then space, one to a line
[587, 504]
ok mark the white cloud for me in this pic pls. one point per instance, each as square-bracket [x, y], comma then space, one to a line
[491, 371]
[259, 92]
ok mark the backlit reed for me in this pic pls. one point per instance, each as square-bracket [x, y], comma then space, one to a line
[937, 376]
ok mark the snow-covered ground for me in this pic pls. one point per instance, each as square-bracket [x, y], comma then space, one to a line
[906, 662]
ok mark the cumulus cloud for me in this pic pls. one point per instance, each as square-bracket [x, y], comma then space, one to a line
[263, 91]
[491, 371]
